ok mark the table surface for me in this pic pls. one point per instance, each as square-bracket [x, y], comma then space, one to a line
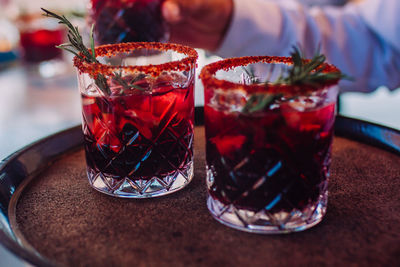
[32, 107]
[361, 227]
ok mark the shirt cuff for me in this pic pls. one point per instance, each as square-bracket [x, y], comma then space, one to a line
[256, 29]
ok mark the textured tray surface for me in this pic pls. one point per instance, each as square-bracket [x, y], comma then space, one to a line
[68, 222]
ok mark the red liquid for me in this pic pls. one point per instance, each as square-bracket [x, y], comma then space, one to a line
[278, 160]
[139, 135]
[39, 45]
[128, 21]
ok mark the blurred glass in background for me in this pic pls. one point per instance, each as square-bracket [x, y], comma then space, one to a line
[39, 36]
[120, 21]
[35, 36]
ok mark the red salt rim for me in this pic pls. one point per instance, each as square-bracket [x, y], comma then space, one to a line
[109, 50]
[209, 80]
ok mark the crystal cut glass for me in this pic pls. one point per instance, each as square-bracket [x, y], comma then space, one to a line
[267, 169]
[138, 118]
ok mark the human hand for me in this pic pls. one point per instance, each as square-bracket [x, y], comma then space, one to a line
[197, 23]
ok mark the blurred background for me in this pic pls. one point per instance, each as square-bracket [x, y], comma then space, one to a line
[38, 86]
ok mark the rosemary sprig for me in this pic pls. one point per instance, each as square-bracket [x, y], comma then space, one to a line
[310, 73]
[78, 48]
[300, 73]
[259, 101]
[128, 86]
[75, 44]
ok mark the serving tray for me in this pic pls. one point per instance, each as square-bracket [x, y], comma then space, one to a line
[49, 215]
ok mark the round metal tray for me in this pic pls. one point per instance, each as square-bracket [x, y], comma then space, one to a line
[43, 187]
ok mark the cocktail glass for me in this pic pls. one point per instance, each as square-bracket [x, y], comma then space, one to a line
[138, 115]
[39, 37]
[128, 21]
[267, 169]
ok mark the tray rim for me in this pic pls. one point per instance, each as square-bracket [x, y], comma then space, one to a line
[373, 134]
[15, 246]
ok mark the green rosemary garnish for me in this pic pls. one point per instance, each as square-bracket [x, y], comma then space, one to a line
[78, 48]
[310, 74]
[300, 73]
[128, 85]
[76, 45]
[259, 101]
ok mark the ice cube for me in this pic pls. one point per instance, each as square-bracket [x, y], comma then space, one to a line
[88, 101]
[228, 101]
[303, 103]
[92, 90]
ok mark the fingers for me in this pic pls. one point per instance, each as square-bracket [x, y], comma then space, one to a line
[171, 12]
[198, 23]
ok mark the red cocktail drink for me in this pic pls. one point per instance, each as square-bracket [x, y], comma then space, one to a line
[40, 45]
[39, 37]
[256, 158]
[138, 133]
[267, 169]
[128, 21]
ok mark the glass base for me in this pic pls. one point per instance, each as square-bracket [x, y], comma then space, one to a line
[138, 188]
[263, 222]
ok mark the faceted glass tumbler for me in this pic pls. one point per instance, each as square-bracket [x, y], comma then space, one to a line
[138, 118]
[268, 168]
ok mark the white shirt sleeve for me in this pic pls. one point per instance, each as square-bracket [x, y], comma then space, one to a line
[362, 39]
